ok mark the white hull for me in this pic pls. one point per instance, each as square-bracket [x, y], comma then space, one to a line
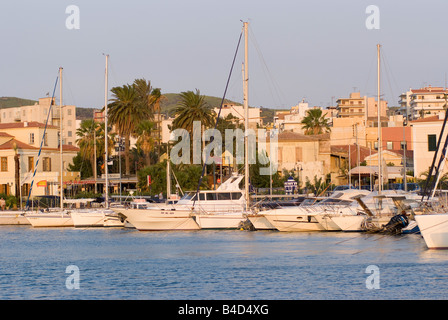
[12, 218]
[219, 220]
[260, 222]
[434, 229]
[50, 220]
[155, 220]
[357, 222]
[96, 218]
[290, 223]
[326, 221]
[82, 219]
[349, 223]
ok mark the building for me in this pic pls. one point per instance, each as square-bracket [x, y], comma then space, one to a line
[20, 143]
[364, 107]
[40, 112]
[307, 155]
[424, 102]
[237, 111]
[425, 136]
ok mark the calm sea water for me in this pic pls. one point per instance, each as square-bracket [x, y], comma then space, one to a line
[215, 265]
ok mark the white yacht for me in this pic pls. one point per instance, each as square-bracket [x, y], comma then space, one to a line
[375, 210]
[308, 218]
[434, 229]
[222, 208]
[260, 222]
[432, 221]
[144, 217]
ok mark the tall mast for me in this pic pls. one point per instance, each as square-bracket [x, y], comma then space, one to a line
[106, 135]
[380, 178]
[246, 115]
[61, 193]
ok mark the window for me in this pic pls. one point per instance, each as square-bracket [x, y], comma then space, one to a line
[69, 123]
[46, 163]
[30, 164]
[236, 195]
[4, 164]
[69, 133]
[211, 196]
[224, 196]
[31, 138]
[69, 113]
[432, 143]
[389, 145]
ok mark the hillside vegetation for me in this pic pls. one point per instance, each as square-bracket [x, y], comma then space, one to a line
[168, 105]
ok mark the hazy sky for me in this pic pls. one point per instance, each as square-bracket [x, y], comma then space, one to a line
[312, 50]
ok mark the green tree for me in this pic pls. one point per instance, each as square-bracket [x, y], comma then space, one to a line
[145, 140]
[192, 107]
[130, 105]
[90, 136]
[315, 123]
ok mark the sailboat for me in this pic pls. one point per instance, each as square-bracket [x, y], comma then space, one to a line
[58, 217]
[100, 217]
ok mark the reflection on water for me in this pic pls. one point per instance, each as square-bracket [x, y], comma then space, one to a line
[128, 264]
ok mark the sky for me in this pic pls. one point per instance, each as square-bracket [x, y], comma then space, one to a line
[318, 51]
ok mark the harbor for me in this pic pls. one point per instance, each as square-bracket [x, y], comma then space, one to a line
[253, 154]
[116, 264]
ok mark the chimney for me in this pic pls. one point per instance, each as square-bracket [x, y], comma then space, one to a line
[25, 124]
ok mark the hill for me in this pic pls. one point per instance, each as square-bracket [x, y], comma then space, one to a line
[168, 105]
[12, 102]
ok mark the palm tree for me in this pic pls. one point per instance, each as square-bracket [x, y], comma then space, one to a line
[145, 139]
[130, 105]
[192, 107]
[157, 98]
[90, 136]
[315, 123]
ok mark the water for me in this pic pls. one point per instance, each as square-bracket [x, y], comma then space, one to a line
[215, 265]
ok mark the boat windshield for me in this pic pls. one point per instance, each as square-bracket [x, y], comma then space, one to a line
[188, 196]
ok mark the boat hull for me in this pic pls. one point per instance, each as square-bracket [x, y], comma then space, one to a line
[87, 219]
[434, 229]
[260, 222]
[219, 220]
[50, 220]
[159, 220]
[292, 223]
[13, 218]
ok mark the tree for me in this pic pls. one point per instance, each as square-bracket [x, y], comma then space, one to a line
[192, 107]
[90, 136]
[157, 97]
[315, 123]
[130, 105]
[145, 140]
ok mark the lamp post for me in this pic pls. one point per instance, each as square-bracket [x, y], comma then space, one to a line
[119, 147]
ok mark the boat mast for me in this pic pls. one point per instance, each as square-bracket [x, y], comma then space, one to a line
[246, 115]
[380, 178]
[105, 136]
[61, 193]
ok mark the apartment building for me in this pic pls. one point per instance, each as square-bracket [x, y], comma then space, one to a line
[42, 111]
[422, 103]
[361, 107]
[20, 143]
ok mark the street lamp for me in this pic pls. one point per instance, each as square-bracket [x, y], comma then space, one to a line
[119, 147]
